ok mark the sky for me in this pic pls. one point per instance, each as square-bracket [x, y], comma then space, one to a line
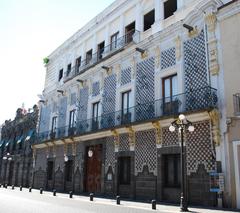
[29, 31]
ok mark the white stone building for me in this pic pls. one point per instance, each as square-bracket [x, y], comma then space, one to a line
[113, 89]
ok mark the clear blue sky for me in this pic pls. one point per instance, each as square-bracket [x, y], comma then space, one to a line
[29, 31]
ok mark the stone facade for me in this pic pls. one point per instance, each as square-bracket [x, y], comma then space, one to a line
[16, 156]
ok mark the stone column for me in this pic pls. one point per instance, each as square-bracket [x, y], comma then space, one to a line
[107, 36]
[139, 18]
[159, 16]
[121, 26]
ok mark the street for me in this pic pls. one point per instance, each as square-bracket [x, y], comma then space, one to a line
[16, 201]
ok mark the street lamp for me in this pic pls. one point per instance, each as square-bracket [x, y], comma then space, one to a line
[181, 124]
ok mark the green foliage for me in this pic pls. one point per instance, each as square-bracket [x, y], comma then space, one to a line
[45, 60]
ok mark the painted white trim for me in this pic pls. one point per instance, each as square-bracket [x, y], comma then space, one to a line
[236, 156]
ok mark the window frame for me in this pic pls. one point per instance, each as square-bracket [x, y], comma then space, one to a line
[146, 26]
[72, 118]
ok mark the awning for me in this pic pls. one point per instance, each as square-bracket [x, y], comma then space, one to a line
[19, 140]
[29, 135]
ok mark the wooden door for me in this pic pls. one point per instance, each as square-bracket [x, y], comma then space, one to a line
[93, 169]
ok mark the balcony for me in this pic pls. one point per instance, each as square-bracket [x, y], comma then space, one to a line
[236, 104]
[200, 99]
[106, 52]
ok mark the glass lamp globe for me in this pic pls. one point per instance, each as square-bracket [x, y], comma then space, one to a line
[10, 159]
[171, 128]
[182, 117]
[65, 158]
[4, 158]
[90, 153]
[191, 128]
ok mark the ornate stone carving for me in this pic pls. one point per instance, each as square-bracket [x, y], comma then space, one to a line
[178, 47]
[211, 21]
[158, 133]
[132, 139]
[116, 139]
[74, 148]
[215, 120]
[157, 56]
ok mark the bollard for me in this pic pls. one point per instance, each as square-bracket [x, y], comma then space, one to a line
[41, 190]
[118, 200]
[54, 192]
[20, 188]
[30, 189]
[70, 194]
[6, 185]
[12, 187]
[154, 203]
[91, 196]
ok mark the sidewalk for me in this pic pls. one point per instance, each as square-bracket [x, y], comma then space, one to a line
[130, 204]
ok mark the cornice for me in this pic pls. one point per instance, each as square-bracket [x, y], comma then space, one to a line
[228, 10]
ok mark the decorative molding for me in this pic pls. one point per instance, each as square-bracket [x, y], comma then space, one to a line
[215, 120]
[178, 43]
[193, 33]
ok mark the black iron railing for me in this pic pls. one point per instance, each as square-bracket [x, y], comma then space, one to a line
[199, 99]
[97, 57]
[236, 103]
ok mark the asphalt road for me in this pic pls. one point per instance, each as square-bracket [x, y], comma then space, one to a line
[15, 201]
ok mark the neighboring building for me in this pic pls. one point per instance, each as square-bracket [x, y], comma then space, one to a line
[113, 89]
[17, 137]
[229, 30]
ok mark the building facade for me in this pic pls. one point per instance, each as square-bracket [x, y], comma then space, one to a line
[17, 137]
[113, 89]
[228, 18]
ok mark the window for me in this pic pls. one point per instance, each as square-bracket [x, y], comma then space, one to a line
[88, 56]
[95, 115]
[149, 19]
[114, 40]
[78, 64]
[170, 6]
[72, 118]
[54, 123]
[60, 75]
[172, 170]
[170, 99]
[126, 115]
[68, 170]
[69, 67]
[101, 50]
[129, 31]
[50, 170]
[170, 86]
[124, 170]
[236, 102]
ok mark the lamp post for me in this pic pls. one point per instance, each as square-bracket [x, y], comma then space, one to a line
[6, 158]
[182, 124]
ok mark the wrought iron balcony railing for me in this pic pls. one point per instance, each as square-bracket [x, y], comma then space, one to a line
[97, 57]
[236, 103]
[199, 99]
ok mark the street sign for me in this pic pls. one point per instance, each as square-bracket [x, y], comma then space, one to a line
[216, 182]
